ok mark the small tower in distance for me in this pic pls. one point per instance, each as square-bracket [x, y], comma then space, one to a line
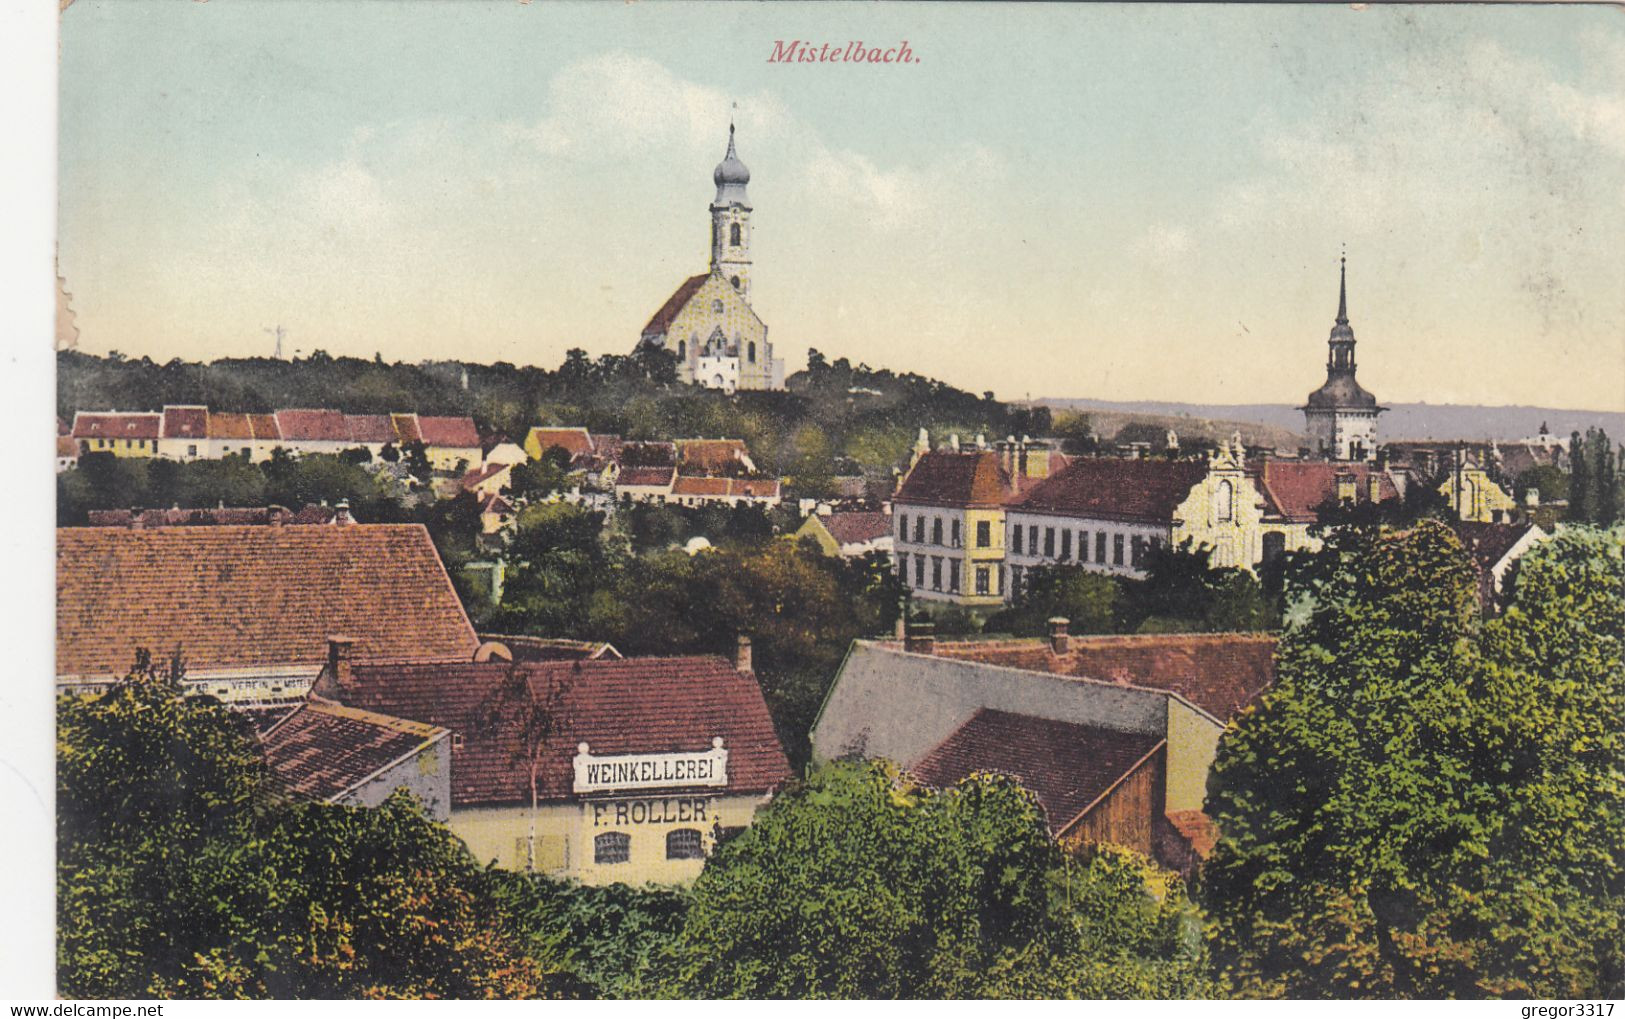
[730, 221]
[1341, 417]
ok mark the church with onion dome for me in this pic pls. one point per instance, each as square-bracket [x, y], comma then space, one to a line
[1341, 417]
[708, 322]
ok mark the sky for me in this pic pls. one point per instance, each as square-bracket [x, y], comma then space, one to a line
[1116, 202]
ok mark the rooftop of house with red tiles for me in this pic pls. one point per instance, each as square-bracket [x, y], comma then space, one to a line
[616, 706]
[323, 750]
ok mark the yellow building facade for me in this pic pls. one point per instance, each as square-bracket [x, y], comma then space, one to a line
[1474, 496]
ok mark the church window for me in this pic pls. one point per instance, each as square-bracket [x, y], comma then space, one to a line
[1223, 501]
[682, 349]
[752, 350]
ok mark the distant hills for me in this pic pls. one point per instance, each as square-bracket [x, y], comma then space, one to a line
[1281, 425]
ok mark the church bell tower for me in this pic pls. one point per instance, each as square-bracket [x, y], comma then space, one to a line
[730, 221]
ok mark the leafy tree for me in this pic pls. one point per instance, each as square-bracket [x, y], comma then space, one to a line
[1417, 808]
[416, 456]
[1088, 600]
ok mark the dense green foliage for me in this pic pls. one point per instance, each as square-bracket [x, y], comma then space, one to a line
[858, 883]
[1424, 804]
[1595, 480]
[180, 873]
[1181, 591]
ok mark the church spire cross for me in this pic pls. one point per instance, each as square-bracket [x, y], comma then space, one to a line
[1342, 291]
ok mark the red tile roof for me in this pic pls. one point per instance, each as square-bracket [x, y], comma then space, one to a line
[369, 428]
[186, 422]
[548, 649]
[245, 596]
[406, 427]
[1220, 673]
[265, 427]
[66, 448]
[686, 485]
[851, 528]
[312, 426]
[641, 476]
[648, 454]
[230, 426]
[1296, 489]
[618, 706]
[495, 503]
[712, 456]
[963, 479]
[1068, 766]
[574, 441]
[1197, 828]
[321, 751]
[449, 432]
[1488, 544]
[116, 426]
[754, 488]
[1107, 488]
[662, 319]
[479, 475]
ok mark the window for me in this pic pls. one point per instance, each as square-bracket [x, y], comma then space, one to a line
[735, 281]
[1138, 556]
[953, 575]
[682, 349]
[1066, 545]
[936, 573]
[919, 530]
[953, 536]
[733, 235]
[1015, 581]
[1117, 550]
[982, 579]
[902, 568]
[1222, 500]
[1049, 543]
[457, 741]
[1032, 540]
[936, 530]
[752, 350]
[984, 534]
[1015, 539]
[684, 844]
[1100, 547]
[902, 527]
[1083, 546]
[612, 847]
[191, 450]
[919, 571]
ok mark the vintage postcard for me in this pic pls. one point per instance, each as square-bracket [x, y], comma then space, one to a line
[690, 501]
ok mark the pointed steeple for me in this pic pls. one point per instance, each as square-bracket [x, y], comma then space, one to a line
[1343, 291]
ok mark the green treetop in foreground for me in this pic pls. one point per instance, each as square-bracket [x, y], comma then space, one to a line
[1427, 805]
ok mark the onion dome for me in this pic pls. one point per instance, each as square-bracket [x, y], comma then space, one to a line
[1340, 391]
[731, 176]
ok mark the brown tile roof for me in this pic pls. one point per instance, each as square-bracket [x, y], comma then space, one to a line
[712, 456]
[618, 706]
[312, 426]
[479, 475]
[321, 751]
[406, 427]
[62, 427]
[66, 447]
[662, 319]
[263, 716]
[495, 503]
[754, 488]
[648, 454]
[369, 428]
[574, 441]
[1488, 544]
[1068, 766]
[1218, 672]
[1296, 489]
[230, 426]
[211, 516]
[117, 426]
[945, 478]
[549, 649]
[1197, 828]
[246, 596]
[686, 485]
[449, 432]
[657, 476]
[265, 427]
[856, 528]
[186, 422]
[1115, 489]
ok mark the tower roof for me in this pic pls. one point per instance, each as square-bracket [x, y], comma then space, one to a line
[731, 176]
[1340, 391]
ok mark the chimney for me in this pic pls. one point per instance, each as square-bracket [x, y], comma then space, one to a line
[136, 523]
[341, 513]
[276, 516]
[921, 639]
[1058, 639]
[338, 660]
[742, 653]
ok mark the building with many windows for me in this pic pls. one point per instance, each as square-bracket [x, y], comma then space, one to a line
[949, 518]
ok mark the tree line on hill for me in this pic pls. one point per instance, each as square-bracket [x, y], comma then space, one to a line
[1426, 804]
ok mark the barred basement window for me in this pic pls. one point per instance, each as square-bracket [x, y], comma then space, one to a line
[612, 847]
[684, 844]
